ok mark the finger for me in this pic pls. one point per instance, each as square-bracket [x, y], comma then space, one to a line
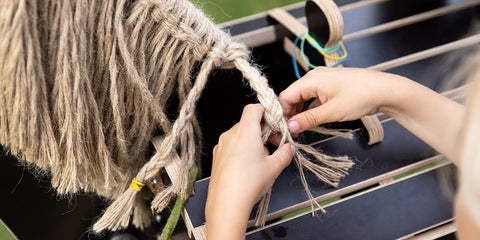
[275, 139]
[300, 91]
[215, 149]
[227, 134]
[314, 104]
[312, 117]
[252, 115]
[281, 158]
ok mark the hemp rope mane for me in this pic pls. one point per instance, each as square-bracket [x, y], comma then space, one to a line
[85, 86]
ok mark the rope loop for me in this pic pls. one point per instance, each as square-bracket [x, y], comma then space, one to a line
[224, 54]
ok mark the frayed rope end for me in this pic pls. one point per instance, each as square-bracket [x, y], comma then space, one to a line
[117, 215]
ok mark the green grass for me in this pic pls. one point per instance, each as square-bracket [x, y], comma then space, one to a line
[5, 233]
[225, 10]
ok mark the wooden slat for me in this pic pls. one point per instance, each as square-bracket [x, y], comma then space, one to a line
[202, 185]
[359, 4]
[462, 43]
[411, 20]
[200, 233]
[268, 34]
[266, 31]
[383, 179]
[399, 149]
[288, 21]
[297, 28]
[272, 33]
[384, 176]
[188, 222]
[201, 230]
[301, 5]
[384, 212]
[433, 232]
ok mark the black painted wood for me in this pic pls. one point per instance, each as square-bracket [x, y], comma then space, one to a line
[264, 21]
[374, 49]
[387, 213]
[365, 51]
[222, 102]
[359, 18]
[317, 22]
[410, 39]
[379, 13]
[226, 93]
[399, 148]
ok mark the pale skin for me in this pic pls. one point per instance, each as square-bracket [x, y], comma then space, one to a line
[243, 170]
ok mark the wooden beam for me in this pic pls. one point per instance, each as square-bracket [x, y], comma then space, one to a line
[462, 43]
[394, 213]
[411, 20]
[288, 21]
[268, 34]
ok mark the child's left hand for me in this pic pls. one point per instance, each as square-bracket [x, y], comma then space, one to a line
[242, 171]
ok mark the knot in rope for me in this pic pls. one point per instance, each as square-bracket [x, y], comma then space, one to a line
[224, 53]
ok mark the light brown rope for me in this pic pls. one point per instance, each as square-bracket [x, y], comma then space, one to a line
[85, 86]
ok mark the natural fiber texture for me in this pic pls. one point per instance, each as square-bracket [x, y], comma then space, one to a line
[85, 86]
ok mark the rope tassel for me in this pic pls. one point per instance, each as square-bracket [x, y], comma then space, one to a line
[117, 215]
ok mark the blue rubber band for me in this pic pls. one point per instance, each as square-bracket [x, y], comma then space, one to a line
[294, 59]
[317, 47]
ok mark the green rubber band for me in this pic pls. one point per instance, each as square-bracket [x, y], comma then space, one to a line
[302, 44]
[317, 46]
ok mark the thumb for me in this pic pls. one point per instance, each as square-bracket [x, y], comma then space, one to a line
[281, 158]
[311, 118]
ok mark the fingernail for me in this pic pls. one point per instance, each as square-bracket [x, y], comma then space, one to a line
[293, 127]
[292, 148]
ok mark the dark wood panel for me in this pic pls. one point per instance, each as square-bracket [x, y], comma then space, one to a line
[387, 213]
[356, 19]
[379, 13]
[399, 148]
[396, 43]
[365, 51]
[221, 104]
[263, 21]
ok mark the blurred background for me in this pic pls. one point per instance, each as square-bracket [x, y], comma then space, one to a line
[226, 10]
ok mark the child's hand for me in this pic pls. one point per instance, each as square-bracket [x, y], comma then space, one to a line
[242, 172]
[341, 94]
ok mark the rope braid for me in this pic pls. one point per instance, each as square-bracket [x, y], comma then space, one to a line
[85, 86]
